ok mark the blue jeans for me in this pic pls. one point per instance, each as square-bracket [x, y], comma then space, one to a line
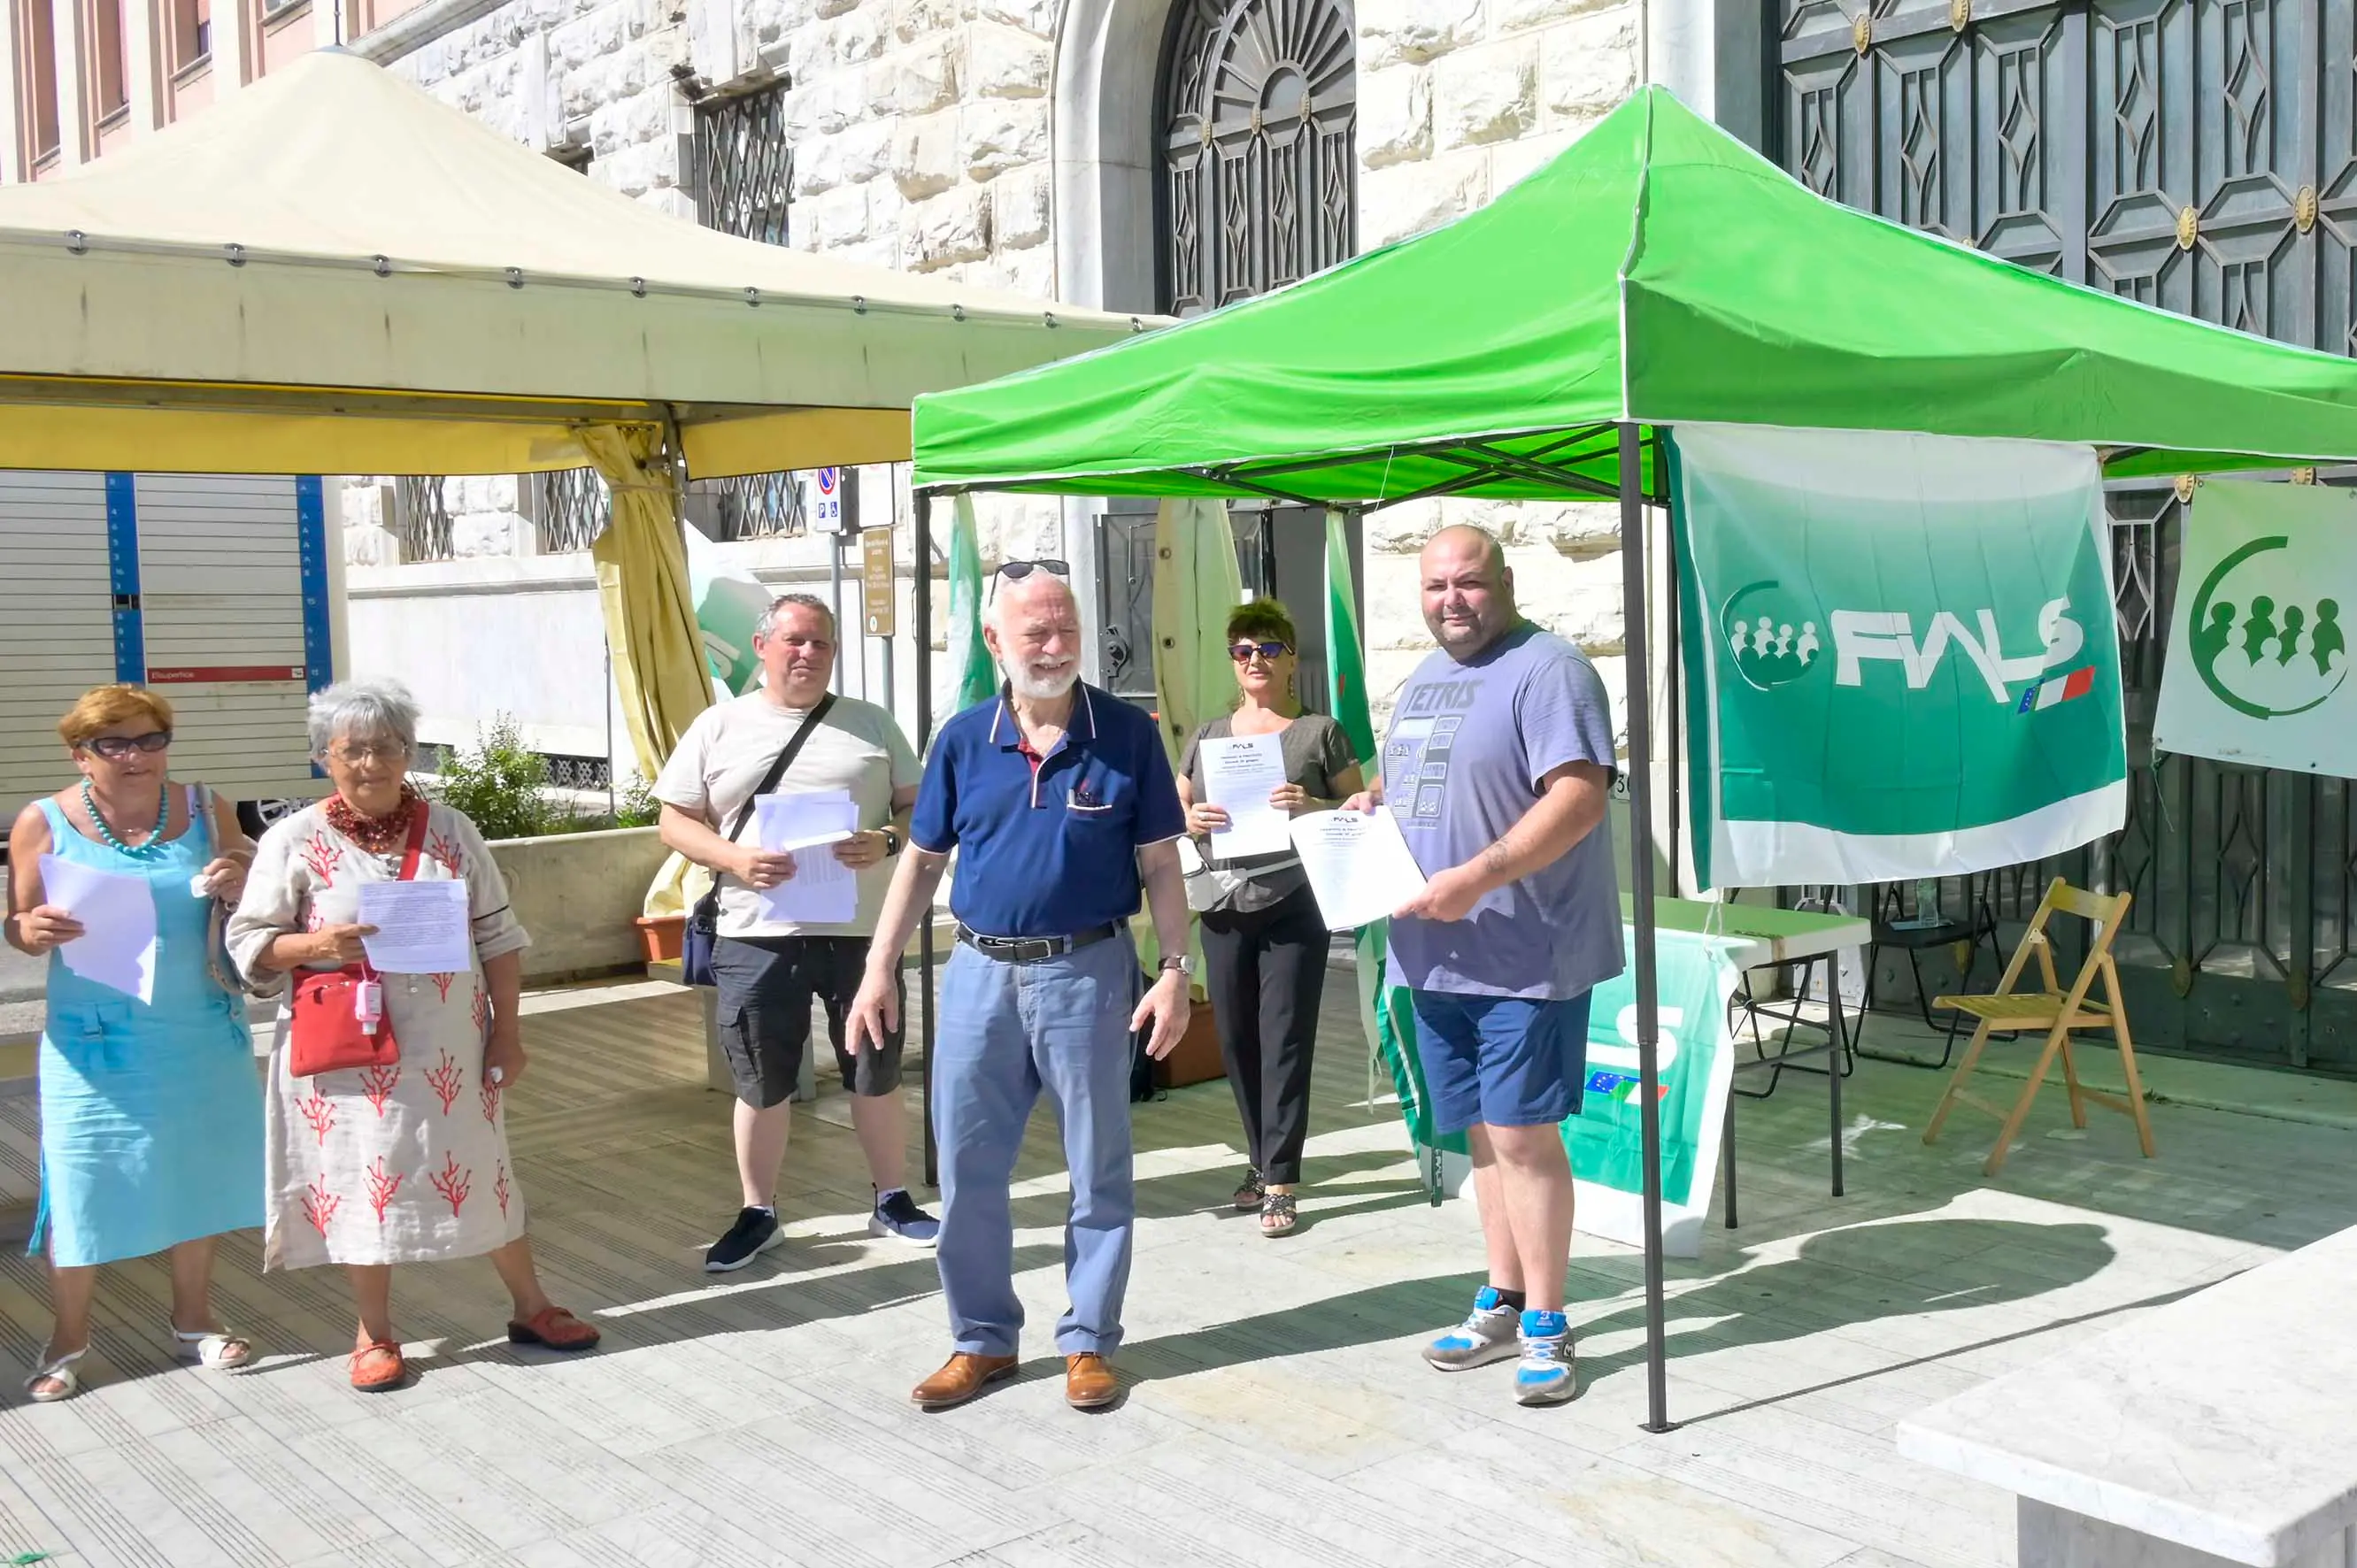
[1008, 1031]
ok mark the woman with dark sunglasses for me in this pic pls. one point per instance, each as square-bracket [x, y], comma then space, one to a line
[1264, 943]
[151, 1106]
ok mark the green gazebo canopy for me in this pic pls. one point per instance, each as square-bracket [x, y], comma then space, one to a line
[1658, 271]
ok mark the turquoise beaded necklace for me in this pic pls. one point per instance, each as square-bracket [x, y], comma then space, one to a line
[154, 844]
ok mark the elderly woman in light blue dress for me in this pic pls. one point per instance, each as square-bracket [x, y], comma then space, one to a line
[151, 1109]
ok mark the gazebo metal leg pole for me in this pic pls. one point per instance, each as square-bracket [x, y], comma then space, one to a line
[921, 554]
[1635, 605]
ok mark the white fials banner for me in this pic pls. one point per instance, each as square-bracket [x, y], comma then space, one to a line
[2258, 659]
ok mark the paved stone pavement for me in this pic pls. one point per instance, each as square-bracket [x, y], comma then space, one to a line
[1275, 1410]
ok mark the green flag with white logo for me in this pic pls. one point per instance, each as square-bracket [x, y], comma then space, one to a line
[977, 676]
[1384, 1010]
[2258, 653]
[1900, 654]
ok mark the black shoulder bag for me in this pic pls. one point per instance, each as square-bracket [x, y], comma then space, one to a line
[703, 920]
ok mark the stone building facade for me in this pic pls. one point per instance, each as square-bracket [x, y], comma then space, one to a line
[1019, 144]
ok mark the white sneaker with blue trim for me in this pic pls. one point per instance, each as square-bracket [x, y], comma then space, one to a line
[1487, 1335]
[1548, 1373]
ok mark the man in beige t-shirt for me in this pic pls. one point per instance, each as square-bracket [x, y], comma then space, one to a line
[769, 970]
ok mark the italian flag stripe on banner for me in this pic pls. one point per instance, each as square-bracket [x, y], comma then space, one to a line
[1384, 1011]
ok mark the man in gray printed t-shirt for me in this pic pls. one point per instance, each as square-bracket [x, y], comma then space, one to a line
[1497, 766]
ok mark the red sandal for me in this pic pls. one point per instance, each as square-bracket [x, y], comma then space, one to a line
[553, 1327]
[379, 1367]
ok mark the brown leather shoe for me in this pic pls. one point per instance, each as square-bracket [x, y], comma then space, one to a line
[1089, 1382]
[961, 1377]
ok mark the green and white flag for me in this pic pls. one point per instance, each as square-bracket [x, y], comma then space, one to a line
[2258, 656]
[728, 601]
[1899, 650]
[1695, 979]
[969, 656]
[1384, 1010]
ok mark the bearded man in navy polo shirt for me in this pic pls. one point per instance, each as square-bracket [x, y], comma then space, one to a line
[1059, 799]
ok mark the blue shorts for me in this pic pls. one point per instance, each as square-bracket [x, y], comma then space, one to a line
[1500, 1061]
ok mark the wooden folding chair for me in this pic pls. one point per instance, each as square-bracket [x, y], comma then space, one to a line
[2055, 1013]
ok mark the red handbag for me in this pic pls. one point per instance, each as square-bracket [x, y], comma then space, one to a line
[326, 1029]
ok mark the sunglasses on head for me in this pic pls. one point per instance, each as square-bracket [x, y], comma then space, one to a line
[115, 747]
[1015, 570]
[1242, 652]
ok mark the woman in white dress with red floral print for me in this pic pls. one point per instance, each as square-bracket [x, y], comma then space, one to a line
[407, 1162]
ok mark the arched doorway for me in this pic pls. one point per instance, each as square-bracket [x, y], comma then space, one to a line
[1253, 159]
[1256, 118]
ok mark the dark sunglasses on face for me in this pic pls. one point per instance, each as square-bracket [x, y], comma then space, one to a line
[115, 747]
[1242, 652]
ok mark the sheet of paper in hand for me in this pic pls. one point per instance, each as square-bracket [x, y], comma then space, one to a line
[1240, 773]
[117, 947]
[823, 891]
[1358, 866]
[421, 927]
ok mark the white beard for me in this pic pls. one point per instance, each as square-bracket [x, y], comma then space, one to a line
[1037, 688]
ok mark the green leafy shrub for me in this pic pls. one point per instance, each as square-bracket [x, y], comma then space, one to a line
[638, 807]
[499, 784]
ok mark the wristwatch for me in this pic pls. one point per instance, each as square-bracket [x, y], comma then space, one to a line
[891, 843]
[1183, 964]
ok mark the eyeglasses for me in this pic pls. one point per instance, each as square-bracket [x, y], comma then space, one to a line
[1242, 652]
[115, 747]
[377, 751]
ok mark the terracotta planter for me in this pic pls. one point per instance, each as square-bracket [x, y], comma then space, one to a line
[661, 935]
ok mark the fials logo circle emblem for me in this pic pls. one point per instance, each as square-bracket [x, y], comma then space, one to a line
[2262, 639]
[1773, 636]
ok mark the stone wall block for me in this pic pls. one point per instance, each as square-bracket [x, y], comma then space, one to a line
[866, 152]
[951, 228]
[1524, 16]
[1485, 95]
[1005, 62]
[1413, 199]
[925, 155]
[1580, 529]
[1020, 209]
[836, 217]
[1589, 64]
[914, 19]
[1401, 529]
[1037, 17]
[924, 77]
[1394, 116]
[858, 36]
[1416, 30]
[1003, 134]
[1030, 271]
[831, 7]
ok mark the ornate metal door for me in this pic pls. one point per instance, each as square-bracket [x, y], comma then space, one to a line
[2199, 155]
[1259, 114]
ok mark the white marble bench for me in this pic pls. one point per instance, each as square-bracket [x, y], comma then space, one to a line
[2219, 1429]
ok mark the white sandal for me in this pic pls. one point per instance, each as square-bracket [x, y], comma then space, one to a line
[222, 1351]
[59, 1370]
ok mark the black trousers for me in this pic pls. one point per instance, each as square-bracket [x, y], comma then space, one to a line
[1264, 972]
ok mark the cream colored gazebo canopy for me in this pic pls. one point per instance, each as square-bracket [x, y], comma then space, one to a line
[333, 272]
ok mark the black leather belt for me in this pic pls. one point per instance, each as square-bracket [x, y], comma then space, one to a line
[1032, 950]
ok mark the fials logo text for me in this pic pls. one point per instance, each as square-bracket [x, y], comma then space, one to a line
[1865, 636]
